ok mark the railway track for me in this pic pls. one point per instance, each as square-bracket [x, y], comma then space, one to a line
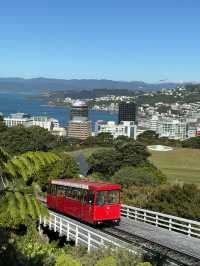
[154, 249]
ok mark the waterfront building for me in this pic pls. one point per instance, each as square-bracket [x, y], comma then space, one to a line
[17, 119]
[125, 128]
[127, 112]
[43, 121]
[79, 126]
[172, 128]
[49, 123]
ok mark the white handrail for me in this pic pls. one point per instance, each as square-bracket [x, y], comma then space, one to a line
[81, 234]
[170, 222]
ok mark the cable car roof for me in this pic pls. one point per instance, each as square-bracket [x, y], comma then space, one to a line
[84, 184]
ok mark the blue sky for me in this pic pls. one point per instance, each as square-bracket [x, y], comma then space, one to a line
[148, 40]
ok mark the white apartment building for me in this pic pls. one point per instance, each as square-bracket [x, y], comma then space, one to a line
[154, 122]
[17, 119]
[43, 121]
[26, 120]
[125, 128]
[172, 128]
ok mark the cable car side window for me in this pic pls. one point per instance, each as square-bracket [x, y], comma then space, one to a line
[101, 198]
[84, 196]
[90, 199]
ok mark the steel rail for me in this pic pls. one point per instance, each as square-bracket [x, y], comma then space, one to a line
[149, 246]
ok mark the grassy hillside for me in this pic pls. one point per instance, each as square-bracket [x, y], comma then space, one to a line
[181, 165]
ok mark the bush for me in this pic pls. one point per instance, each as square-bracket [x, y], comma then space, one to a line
[109, 261]
[139, 176]
[66, 260]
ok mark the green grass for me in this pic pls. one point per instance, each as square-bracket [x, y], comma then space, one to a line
[180, 165]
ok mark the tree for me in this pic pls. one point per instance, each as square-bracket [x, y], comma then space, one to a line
[104, 162]
[107, 162]
[182, 201]
[104, 139]
[65, 167]
[17, 140]
[132, 154]
[193, 143]
[139, 176]
[19, 189]
[148, 137]
[3, 127]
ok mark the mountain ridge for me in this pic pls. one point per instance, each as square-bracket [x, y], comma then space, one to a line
[37, 85]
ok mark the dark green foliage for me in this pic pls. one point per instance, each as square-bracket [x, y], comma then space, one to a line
[139, 176]
[17, 140]
[18, 194]
[3, 127]
[182, 201]
[104, 162]
[150, 137]
[102, 139]
[193, 143]
[124, 153]
[65, 167]
[131, 153]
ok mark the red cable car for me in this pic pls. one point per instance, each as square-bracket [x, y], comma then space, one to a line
[91, 202]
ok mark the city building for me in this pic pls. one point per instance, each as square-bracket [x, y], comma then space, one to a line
[79, 129]
[79, 109]
[154, 122]
[191, 130]
[127, 112]
[17, 119]
[125, 128]
[49, 123]
[172, 128]
[79, 126]
[43, 121]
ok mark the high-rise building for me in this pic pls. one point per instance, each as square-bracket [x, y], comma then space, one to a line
[79, 127]
[79, 110]
[127, 112]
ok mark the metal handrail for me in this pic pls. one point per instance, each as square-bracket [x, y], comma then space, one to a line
[170, 222]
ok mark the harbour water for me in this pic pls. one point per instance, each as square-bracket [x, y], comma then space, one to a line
[13, 103]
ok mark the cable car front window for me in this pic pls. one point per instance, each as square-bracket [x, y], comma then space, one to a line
[107, 197]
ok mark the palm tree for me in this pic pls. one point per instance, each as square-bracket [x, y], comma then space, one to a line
[18, 191]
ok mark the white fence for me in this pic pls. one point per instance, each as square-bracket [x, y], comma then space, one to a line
[169, 222]
[80, 233]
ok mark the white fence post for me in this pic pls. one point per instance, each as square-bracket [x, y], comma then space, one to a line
[55, 220]
[156, 220]
[76, 236]
[136, 215]
[170, 224]
[189, 229]
[67, 231]
[89, 241]
[145, 216]
[60, 226]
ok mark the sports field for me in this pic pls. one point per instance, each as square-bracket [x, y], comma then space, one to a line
[180, 165]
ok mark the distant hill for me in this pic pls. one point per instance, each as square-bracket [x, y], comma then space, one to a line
[38, 85]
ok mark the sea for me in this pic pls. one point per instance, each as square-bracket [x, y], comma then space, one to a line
[11, 102]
